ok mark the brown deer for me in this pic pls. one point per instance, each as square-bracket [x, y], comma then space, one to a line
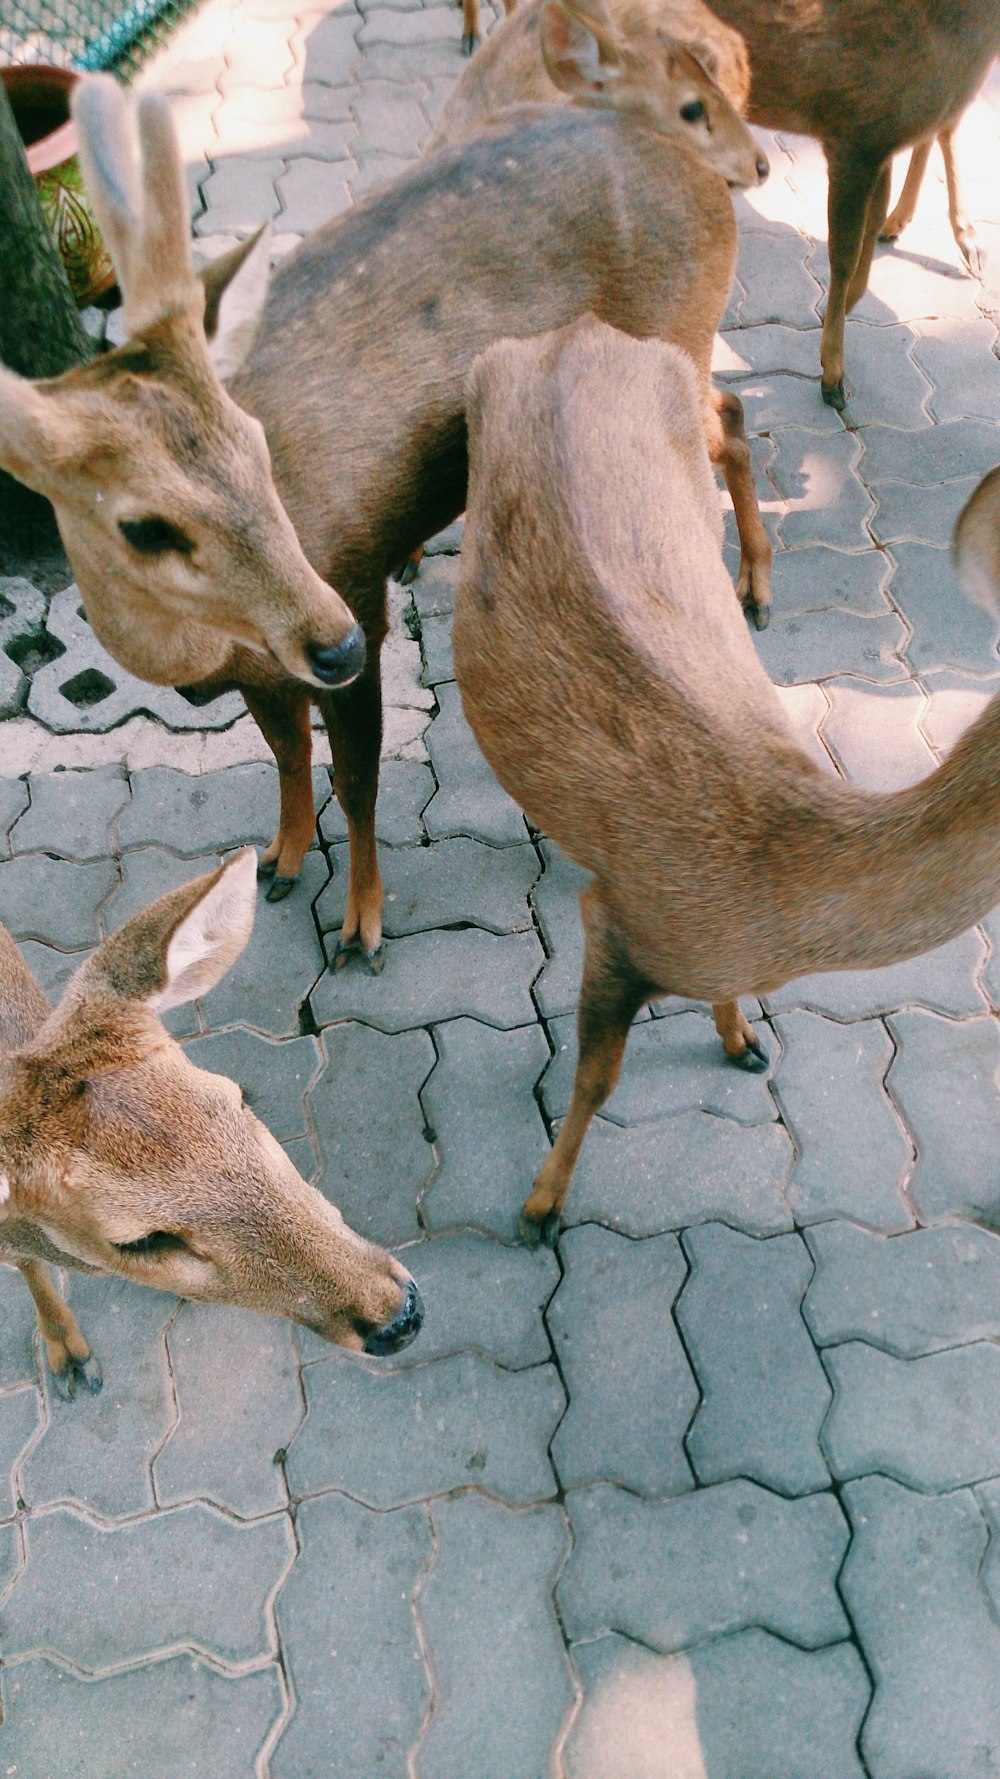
[619, 698]
[357, 374]
[906, 204]
[117, 1155]
[866, 81]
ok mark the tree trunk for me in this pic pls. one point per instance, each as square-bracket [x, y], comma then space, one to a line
[40, 330]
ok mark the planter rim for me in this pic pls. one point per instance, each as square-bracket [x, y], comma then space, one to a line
[61, 143]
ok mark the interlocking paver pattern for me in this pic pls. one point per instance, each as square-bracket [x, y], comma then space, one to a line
[713, 1490]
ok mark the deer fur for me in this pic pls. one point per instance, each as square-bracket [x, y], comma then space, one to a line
[618, 696]
[118, 1155]
[866, 81]
[906, 204]
[357, 373]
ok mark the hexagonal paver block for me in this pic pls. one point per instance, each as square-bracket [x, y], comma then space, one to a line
[20, 1417]
[389, 1437]
[631, 1393]
[99, 1598]
[764, 1395]
[370, 1125]
[18, 1323]
[437, 975]
[821, 576]
[930, 457]
[947, 980]
[347, 1627]
[457, 882]
[153, 1717]
[405, 787]
[853, 1157]
[14, 801]
[874, 733]
[55, 900]
[803, 646]
[469, 799]
[944, 1080]
[911, 1583]
[206, 812]
[671, 1065]
[933, 1423]
[256, 994]
[949, 629]
[816, 476]
[927, 1290]
[480, 1103]
[747, 1707]
[487, 1610]
[70, 812]
[274, 1076]
[673, 1573]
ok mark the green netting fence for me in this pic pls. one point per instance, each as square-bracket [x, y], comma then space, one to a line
[87, 33]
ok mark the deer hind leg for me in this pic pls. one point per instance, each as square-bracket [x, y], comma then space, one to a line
[739, 1040]
[470, 26]
[878, 204]
[611, 994]
[730, 452]
[961, 227]
[71, 1361]
[282, 716]
[353, 720]
[906, 203]
[852, 185]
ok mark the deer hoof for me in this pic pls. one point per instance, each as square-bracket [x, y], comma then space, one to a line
[409, 572]
[266, 868]
[280, 888]
[375, 960]
[78, 1374]
[469, 42]
[535, 1233]
[345, 948]
[835, 397]
[759, 615]
[972, 254]
[754, 1059]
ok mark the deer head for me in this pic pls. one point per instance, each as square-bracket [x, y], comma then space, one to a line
[162, 486]
[118, 1155]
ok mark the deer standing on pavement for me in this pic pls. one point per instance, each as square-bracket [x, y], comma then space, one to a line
[354, 362]
[118, 1155]
[906, 204]
[866, 80]
[618, 696]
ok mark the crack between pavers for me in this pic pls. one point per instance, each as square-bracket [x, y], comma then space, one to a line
[423, 1644]
[149, 1658]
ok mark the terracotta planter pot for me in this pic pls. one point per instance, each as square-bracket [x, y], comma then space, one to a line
[39, 99]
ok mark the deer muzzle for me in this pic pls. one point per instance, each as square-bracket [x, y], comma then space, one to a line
[339, 663]
[404, 1327]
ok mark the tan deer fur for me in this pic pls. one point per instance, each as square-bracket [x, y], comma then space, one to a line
[866, 80]
[357, 374]
[619, 698]
[110, 1137]
[905, 207]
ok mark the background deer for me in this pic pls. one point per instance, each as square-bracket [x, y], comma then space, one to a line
[357, 375]
[118, 1155]
[619, 698]
[906, 204]
[867, 82]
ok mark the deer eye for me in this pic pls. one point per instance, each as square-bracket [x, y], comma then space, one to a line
[154, 537]
[158, 1241]
[693, 111]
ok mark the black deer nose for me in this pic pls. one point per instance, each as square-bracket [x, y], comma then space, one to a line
[404, 1328]
[342, 662]
[763, 168]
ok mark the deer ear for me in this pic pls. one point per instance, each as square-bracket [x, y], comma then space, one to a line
[235, 297]
[578, 51]
[26, 432]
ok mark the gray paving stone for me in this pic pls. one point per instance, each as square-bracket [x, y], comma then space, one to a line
[10, 1557]
[852, 1156]
[946, 979]
[480, 1103]
[254, 993]
[927, 1290]
[405, 787]
[259, 55]
[13, 801]
[631, 1393]
[487, 1612]
[457, 882]
[434, 976]
[956, 448]
[386, 25]
[469, 799]
[391, 1437]
[883, 381]
[911, 1583]
[873, 733]
[370, 1125]
[239, 195]
[237, 1385]
[556, 901]
[932, 1423]
[955, 701]
[671, 1065]
[774, 348]
[764, 1395]
[777, 283]
[193, 813]
[959, 360]
[96, 1450]
[692, 1168]
[772, 400]
[312, 192]
[435, 586]
[274, 1077]
[22, 611]
[54, 900]
[943, 1080]
[673, 1573]
[820, 576]
[70, 813]
[347, 1626]
[17, 1331]
[51, 969]
[148, 872]
[435, 641]
[909, 512]
[747, 1707]
[949, 629]
[331, 50]
[177, 1719]
[804, 646]
[20, 1413]
[100, 1598]
[389, 117]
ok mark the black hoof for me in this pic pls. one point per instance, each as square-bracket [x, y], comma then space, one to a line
[534, 1234]
[469, 42]
[759, 615]
[265, 869]
[835, 397]
[280, 888]
[374, 960]
[409, 572]
[80, 1374]
[754, 1059]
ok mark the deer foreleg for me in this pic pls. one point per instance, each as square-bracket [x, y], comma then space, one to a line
[470, 26]
[852, 183]
[283, 719]
[878, 204]
[71, 1361]
[354, 723]
[730, 452]
[739, 1040]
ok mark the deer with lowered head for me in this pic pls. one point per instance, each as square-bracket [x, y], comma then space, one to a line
[618, 696]
[353, 361]
[866, 80]
[118, 1155]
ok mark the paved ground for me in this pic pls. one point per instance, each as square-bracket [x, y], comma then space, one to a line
[712, 1493]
